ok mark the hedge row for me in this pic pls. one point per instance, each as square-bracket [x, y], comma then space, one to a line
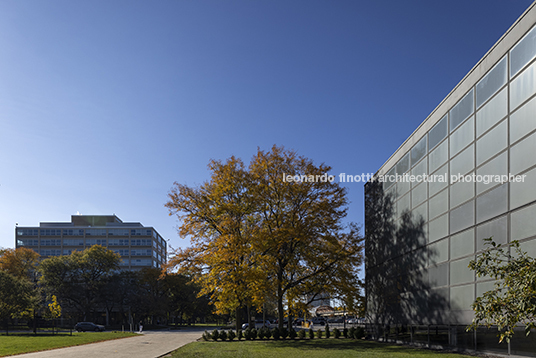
[275, 333]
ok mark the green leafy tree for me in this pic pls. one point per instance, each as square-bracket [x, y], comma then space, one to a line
[513, 300]
[78, 280]
[17, 297]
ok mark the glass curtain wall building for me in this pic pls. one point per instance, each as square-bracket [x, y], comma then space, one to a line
[139, 246]
[468, 172]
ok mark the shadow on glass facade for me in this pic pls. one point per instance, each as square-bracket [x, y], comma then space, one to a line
[466, 174]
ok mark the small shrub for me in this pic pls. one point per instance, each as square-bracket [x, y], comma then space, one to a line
[215, 335]
[206, 336]
[260, 333]
[240, 335]
[253, 334]
[292, 333]
[311, 333]
[351, 332]
[301, 334]
[267, 332]
[328, 333]
[223, 335]
[231, 335]
[319, 334]
[276, 333]
[247, 334]
[336, 333]
[284, 333]
[345, 333]
[359, 333]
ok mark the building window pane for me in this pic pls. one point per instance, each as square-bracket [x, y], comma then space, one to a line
[403, 165]
[460, 192]
[523, 52]
[486, 173]
[494, 80]
[73, 242]
[118, 232]
[438, 133]
[402, 187]
[439, 204]
[491, 113]
[529, 247]
[492, 203]
[438, 185]
[460, 271]
[439, 228]
[492, 143]
[95, 232]
[464, 162]
[463, 217]
[462, 137]
[523, 223]
[483, 287]
[439, 252]
[390, 174]
[50, 232]
[419, 194]
[523, 121]
[402, 204]
[462, 244]
[497, 229]
[438, 275]
[420, 169]
[462, 110]
[420, 212]
[524, 192]
[462, 297]
[523, 86]
[27, 232]
[522, 154]
[418, 151]
[439, 156]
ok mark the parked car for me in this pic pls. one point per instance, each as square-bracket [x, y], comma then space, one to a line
[258, 324]
[301, 322]
[88, 326]
[319, 321]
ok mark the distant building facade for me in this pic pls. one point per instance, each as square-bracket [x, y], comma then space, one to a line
[139, 246]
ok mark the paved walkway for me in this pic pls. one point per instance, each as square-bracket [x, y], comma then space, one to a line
[148, 345]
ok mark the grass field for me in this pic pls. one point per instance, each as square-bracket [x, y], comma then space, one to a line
[25, 343]
[317, 348]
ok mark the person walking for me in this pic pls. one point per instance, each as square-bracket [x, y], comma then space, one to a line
[141, 326]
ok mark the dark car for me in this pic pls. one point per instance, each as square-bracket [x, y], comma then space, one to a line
[88, 326]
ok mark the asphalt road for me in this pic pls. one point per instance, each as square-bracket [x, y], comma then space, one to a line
[147, 345]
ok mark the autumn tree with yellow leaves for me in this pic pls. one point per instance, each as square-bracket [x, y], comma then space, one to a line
[257, 236]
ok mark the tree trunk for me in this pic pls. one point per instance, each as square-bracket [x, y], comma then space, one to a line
[238, 319]
[280, 312]
[249, 317]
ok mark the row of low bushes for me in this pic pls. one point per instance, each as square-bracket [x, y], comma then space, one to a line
[276, 334]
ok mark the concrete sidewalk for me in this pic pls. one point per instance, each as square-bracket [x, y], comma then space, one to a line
[147, 345]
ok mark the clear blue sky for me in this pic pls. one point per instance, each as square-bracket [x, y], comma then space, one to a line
[104, 104]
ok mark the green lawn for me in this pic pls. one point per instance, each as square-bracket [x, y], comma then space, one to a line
[24, 343]
[317, 348]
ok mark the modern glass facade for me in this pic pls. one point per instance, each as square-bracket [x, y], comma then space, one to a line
[138, 246]
[467, 173]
